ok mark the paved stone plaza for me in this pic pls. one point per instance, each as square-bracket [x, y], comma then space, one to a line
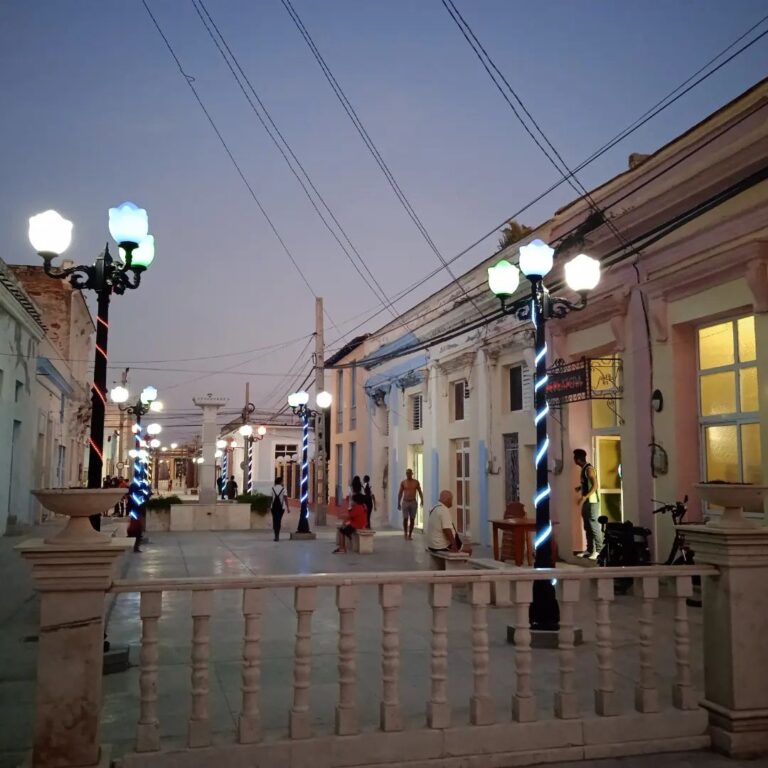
[242, 554]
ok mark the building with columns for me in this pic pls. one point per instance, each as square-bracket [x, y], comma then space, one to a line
[672, 350]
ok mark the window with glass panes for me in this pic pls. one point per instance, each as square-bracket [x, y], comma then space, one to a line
[728, 409]
[605, 376]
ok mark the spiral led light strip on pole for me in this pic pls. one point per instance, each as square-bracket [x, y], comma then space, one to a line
[582, 274]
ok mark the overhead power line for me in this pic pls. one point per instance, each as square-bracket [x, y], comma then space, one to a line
[190, 82]
[370, 145]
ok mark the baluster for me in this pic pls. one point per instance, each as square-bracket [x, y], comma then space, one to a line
[481, 708]
[438, 709]
[391, 718]
[683, 695]
[646, 690]
[249, 726]
[523, 702]
[566, 705]
[304, 604]
[346, 709]
[199, 734]
[605, 694]
[148, 731]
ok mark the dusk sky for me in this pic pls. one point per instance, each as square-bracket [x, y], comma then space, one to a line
[95, 112]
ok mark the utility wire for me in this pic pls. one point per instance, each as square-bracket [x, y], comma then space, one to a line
[371, 146]
[190, 82]
[372, 283]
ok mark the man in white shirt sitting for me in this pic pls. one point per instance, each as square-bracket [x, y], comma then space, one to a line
[441, 536]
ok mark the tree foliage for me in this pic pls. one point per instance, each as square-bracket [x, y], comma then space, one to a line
[512, 232]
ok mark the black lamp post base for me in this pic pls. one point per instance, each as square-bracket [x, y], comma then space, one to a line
[303, 536]
[544, 612]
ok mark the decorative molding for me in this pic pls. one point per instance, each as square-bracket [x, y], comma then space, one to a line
[756, 274]
[658, 315]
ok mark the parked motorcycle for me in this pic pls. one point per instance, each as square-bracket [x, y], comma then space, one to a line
[624, 544]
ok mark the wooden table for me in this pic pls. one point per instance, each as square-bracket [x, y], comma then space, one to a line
[522, 530]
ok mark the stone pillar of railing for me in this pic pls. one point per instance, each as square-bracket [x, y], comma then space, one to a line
[735, 616]
[72, 580]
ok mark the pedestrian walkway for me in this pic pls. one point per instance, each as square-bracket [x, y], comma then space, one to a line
[230, 554]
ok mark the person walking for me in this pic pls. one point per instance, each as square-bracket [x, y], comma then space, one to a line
[278, 506]
[231, 488]
[589, 502]
[410, 488]
[370, 499]
[356, 519]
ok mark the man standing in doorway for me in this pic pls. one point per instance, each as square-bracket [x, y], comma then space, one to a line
[589, 501]
[407, 502]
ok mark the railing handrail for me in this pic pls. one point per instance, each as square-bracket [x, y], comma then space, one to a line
[193, 583]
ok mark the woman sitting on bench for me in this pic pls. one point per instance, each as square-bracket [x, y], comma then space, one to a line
[357, 519]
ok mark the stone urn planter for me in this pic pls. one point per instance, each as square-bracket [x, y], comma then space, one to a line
[735, 498]
[78, 504]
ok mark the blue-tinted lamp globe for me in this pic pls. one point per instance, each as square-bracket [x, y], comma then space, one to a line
[128, 223]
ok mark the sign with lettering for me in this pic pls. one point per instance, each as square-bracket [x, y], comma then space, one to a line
[566, 383]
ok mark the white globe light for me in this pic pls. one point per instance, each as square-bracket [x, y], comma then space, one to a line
[218, 454]
[324, 399]
[128, 223]
[50, 232]
[302, 398]
[200, 460]
[143, 455]
[292, 401]
[119, 394]
[133, 453]
[536, 259]
[233, 444]
[503, 278]
[582, 273]
[174, 446]
[148, 394]
[164, 448]
[246, 430]
[154, 429]
[154, 443]
[262, 431]
[221, 443]
[144, 255]
[156, 406]
[135, 429]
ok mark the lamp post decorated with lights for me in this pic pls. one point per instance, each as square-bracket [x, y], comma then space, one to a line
[582, 274]
[249, 438]
[51, 235]
[140, 487]
[298, 402]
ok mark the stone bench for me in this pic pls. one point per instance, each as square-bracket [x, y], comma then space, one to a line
[448, 561]
[362, 541]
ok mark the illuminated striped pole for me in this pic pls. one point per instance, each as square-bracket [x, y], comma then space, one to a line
[136, 490]
[250, 464]
[304, 518]
[224, 469]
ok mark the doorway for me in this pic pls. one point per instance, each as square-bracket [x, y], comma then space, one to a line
[608, 465]
[462, 501]
[511, 468]
[416, 463]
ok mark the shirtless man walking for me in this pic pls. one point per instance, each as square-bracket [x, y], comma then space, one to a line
[406, 501]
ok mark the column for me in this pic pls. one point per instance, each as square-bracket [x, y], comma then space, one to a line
[72, 580]
[735, 621]
[483, 450]
[209, 405]
[430, 416]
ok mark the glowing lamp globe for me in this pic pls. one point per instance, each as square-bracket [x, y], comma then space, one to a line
[174, 446]
[292, 401]
[233, 444]
[582, 273]
[156, 406]
[246, 430]
[154, 429]
[164, 448]
[503, 278]
[50, 233]
[324, 399]
[221, 443]
[148, 394]
[128, 223]
[144, 255]
[133, 453]
[218, 454]
[135, 429]
[536, 259]
[200, 460]
[119, 394]
[262, 431]
[302, 398]
[154, 443]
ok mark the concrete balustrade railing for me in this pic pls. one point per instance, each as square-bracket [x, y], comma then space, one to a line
[732, 715]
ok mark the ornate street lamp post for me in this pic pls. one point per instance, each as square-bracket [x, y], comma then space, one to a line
[298, 404]
[139, 490]
[50, 235]
[582, 274]
[249, 438]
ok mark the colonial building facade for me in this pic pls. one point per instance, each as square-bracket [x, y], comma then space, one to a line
[672, 350]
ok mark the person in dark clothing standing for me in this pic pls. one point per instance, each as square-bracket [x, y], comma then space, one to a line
[279, 506]
[370, 499]
[589, 501]
[231, 488]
